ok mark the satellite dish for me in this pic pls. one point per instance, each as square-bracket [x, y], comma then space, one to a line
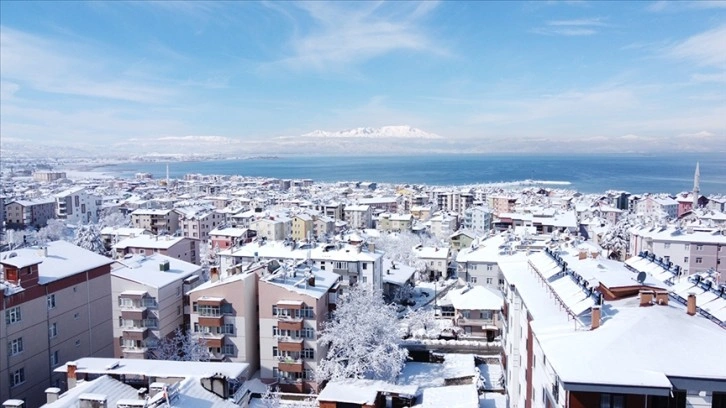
[641, 277]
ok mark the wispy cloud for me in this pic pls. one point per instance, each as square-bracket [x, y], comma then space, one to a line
[704, 49]
[573, 27]
[52, 66]
[345, 34]
[661, 6]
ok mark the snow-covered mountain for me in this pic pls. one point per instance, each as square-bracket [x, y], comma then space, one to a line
[385, 132]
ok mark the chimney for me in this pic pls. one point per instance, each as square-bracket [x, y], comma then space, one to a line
[92, 401]
[691, 308]
[661, 297]
[582, 254]
[311, 280]
[596, 313]
[51, 394]
[371, 247]
[71, 374]
[214, 274]
[646, 297]
[43, 251]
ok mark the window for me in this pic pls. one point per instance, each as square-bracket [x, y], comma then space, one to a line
[78, 343]
[308, 332]
[699, 247]
[667, 245]
[178, 310]
[53, 330]
[365, 266]
[275, 372]
[178, 291]
[12, 315]
[685, 259]
[51, 301]
[229, 349]
[275, 352]
[228, 328]
[15, 346]
[54, 359]
[274, 310]
[699, 260]
[17, 377]
[612, 401]
[309, 353]
[687, 246]
[150, 323]
[76, 315]
[472, 279]
[307, 312]
[490, 267]
[275, 332]
[489, 281]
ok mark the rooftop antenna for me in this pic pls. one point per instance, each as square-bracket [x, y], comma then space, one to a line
[641, 277]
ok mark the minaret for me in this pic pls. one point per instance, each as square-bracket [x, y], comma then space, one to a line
[696, 189]
[167, 175]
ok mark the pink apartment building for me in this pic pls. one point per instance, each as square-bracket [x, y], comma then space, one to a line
[294, 302]
[186, 249]
[55, 302]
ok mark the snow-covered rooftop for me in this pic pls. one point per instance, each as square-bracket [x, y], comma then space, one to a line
[145, 269]
[297, 280]
[63, 259]
[362, 392]
[475, 298]
[149, 241]
[454, 396]
[156, 368]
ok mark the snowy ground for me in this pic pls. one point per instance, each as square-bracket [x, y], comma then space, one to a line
[491, 373]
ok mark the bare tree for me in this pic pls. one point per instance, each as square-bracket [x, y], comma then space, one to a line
[182, 347]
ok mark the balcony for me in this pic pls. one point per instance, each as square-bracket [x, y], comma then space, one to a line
[135, 352]
[136, 313]
[289, 323]
[211, 321]
[486, 324]
[135, 333]
[290, 344]
[213, 340]
[290, 365]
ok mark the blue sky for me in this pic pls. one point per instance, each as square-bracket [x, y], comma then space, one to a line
[508, 76]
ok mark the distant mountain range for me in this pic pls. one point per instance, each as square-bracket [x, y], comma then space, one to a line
[385, 132]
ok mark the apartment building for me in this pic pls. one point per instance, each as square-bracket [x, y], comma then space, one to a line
[302, 227]
[294, 302]
[359, 216]
[578, 332]
[147, 297]
[197, 223]
[394, 222]
[224, 238]
[502, 203]
[693, 249]
[436, 260]
[20, 214]
[354, 263]
[388, 204]
[443, 225]
[322, 226]
[274, 228]
[223, 311]
[48, 176]
[333, 210]
[478, 219]
[657, 207]
[185, 249]
[55, 302]
[113, 235]
[155, 220]
[77, 206]
[477, 311]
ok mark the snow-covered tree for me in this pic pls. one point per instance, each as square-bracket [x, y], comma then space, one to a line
[420, 321]
[88, 236]
[271, 398]
[361, 338]
[114, 218]
[15, 238]
[617, 239]
[399, 248]
[404, 294]
[182, 347]
[55, 230]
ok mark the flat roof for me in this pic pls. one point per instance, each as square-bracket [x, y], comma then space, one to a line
[155, 368]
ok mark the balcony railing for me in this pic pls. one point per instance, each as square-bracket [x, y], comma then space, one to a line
[286, 343]
[463, 321]
[210, 321]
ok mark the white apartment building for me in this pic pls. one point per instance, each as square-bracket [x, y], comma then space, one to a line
[55, 306]
[353, 263]
[359, 216]
[147, 294]
[294, 303]
[443, 225]
[436, 259]
[272, 228]
[77, 206]
[693, 249]
[478, 219]
[657, 206]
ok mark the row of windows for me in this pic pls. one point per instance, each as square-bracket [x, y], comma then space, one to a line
[305, 375]
[306, 312]
[699, 247]
[148, 323]
[306, 333]
[227, 328]
[307, 353]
